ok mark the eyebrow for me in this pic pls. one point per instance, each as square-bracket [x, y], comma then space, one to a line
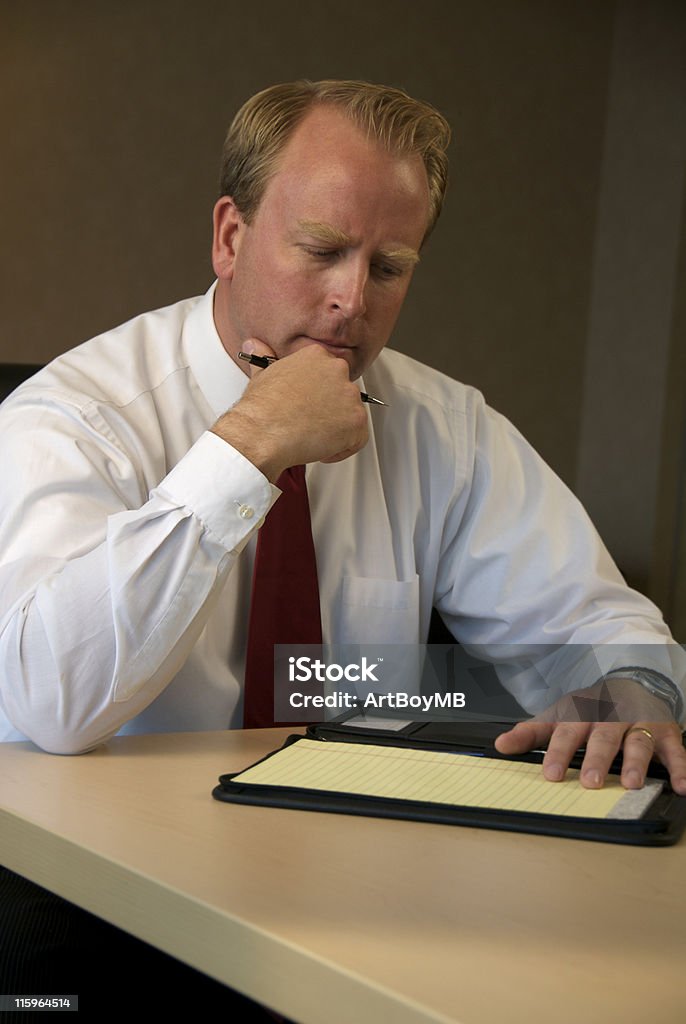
[330, 235]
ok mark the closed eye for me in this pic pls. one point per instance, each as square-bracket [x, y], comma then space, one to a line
[386, 270]
[321, 254]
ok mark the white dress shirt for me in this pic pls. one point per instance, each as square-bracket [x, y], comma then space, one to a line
[127, 536]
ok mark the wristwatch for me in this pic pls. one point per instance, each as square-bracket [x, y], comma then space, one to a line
[655, 683]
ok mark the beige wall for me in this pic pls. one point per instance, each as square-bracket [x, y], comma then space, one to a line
[633, 397]
[113, 118]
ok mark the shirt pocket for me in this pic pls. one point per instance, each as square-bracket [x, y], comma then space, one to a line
[378, 611]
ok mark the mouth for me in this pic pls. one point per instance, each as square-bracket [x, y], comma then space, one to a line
[333, 345]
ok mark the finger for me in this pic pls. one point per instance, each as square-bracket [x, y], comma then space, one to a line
[524, 736]
[604, 741]
[669, 748]
[566, 739]
[638, 749]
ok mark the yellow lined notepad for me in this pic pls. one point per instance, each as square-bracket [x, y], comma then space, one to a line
[434, 777]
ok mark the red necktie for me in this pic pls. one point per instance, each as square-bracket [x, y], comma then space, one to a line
[284, 608]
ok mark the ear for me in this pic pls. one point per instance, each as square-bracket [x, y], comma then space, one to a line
[228, 227]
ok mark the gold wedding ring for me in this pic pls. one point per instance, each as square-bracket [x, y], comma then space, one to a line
[639, 728]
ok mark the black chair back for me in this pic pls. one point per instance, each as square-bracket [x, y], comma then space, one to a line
[13, 374]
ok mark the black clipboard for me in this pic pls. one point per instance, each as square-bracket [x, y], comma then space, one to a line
[662, 824]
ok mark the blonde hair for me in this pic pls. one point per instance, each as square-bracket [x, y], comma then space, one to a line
[264, 124]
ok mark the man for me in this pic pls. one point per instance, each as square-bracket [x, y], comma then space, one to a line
[139, 467]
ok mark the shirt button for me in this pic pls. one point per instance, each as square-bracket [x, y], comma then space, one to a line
[246, 512]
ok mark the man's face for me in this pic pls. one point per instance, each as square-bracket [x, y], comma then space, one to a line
[329, 254]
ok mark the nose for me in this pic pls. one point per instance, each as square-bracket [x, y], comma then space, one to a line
[348, 290]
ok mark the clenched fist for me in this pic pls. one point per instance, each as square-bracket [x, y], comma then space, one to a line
[303, 408]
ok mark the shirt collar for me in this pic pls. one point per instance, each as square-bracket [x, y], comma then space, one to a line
[221, 381]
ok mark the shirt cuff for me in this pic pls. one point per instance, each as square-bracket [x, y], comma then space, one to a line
[222, 488]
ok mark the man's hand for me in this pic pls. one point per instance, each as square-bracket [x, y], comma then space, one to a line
[303, 408]
[642, 726]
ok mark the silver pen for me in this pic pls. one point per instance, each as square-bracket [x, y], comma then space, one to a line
[264, 361]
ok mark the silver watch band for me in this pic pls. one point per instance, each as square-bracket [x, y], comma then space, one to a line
[655, 683]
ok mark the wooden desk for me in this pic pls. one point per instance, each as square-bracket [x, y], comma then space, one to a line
[333, 919]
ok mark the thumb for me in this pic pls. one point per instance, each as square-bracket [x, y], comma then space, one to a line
[255, 347]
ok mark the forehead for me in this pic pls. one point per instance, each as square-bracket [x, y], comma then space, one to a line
[330, 171]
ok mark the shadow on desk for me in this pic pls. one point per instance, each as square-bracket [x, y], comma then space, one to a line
[49, 946]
